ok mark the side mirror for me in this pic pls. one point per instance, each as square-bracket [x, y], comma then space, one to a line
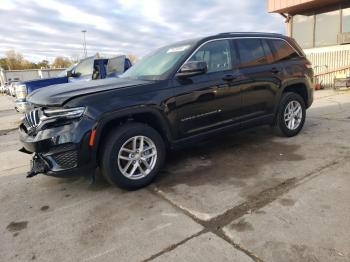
[69, 73]
[73, 74]
[192, 68]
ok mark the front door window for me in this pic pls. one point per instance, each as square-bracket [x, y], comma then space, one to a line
[216, 54]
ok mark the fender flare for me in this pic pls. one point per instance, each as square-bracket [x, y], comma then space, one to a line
[107, 117]
[283, 88]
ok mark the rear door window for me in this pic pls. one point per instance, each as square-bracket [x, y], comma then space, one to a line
[251, 52]
[283, 50]
[268, 52]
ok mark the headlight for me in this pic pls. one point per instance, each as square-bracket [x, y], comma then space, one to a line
[21, 91]
[61, 114]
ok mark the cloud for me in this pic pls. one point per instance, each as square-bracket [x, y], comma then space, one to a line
[7, 5]
[45, 29]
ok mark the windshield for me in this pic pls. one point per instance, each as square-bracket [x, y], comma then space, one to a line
[158, 64]
[64, 73]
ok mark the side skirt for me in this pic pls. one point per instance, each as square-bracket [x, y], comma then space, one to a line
[187, 141]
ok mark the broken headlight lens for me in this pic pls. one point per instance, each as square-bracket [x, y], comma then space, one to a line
[50, 115]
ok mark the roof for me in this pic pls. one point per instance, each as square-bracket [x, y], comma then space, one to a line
[262, 34]
[241, 34]
[197, 41]
[298, 6]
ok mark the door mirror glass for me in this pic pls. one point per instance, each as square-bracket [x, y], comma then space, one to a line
[69, 73]
[192, 68]
[73, 74]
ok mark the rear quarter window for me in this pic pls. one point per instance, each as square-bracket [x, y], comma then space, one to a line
[283, 51]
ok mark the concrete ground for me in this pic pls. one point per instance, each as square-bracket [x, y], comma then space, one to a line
[249, 196]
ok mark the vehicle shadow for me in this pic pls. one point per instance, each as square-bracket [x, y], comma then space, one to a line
[229, 158]
[249, 158]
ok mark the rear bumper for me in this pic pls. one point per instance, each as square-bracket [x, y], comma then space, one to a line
[310, 97]
[62, 151]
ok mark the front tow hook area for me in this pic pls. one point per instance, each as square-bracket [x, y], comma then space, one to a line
[23, 150]
[38, 165]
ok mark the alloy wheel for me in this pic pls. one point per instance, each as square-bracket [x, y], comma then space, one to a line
[137, 157]
[293, 115]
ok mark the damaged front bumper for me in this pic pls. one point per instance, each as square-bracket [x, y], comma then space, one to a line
[37, 165]
[61, 151]
[22, 106]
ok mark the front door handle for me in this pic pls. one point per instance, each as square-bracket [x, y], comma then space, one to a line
[228, 78]
[274, 70]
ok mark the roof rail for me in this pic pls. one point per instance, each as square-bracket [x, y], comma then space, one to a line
[249, 33]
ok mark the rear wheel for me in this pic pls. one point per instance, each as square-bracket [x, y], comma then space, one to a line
[291, 115]
[132, 155]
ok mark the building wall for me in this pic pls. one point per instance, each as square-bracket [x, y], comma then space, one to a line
[47, 73]
[324, 59]
[25, 75]
[330, 58]
[20, 75]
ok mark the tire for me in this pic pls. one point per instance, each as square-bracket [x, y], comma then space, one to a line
[117, 164]
[287, 128]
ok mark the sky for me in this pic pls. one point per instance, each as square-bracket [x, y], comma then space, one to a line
[44, 29]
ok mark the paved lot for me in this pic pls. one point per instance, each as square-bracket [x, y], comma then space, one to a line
[249, 196]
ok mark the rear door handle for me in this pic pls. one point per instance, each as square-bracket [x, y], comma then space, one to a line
[228, 78]
[274, 70]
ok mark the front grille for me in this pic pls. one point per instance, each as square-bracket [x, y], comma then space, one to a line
[31, 120]
[67, 159]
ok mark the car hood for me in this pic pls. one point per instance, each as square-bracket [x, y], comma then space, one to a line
[57, 95]
[45, 81]
[33, 81]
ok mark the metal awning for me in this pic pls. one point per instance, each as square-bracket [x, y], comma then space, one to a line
[298, 6]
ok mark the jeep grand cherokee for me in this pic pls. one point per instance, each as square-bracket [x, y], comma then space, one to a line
[177, 94]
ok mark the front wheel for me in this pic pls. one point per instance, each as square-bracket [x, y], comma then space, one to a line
[291, 115]
[132, 155]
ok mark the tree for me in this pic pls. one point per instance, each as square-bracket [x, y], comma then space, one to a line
[3, 63]
[132, 57]
[14, 60]
[43, 64]
[61, 62]
[28, 65]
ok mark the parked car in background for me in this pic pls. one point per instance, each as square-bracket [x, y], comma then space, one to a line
[5, 88]
[91, 68]
[174, 96]
[12, 88]
[2, 88]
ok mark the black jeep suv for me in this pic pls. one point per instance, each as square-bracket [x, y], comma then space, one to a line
[177, 94]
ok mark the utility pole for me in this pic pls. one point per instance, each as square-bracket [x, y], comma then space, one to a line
[84, 43]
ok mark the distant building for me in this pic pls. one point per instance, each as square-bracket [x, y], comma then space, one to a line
[322, 29]
[7, 76]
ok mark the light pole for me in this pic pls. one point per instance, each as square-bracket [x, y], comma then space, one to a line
[84, 43]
